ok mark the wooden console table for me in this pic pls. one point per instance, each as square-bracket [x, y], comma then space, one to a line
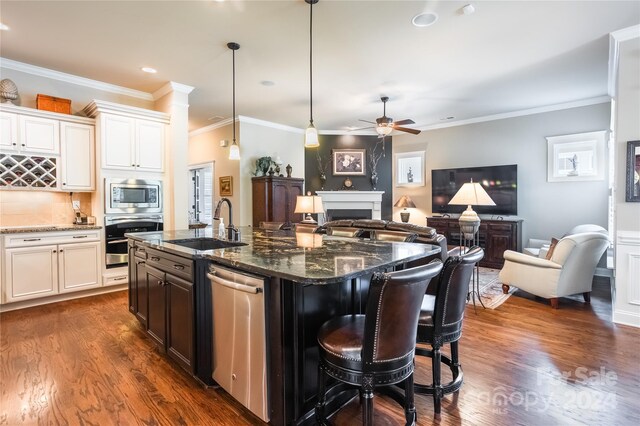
[495, 236]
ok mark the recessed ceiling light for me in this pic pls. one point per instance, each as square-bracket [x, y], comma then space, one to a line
[267, 83]
[468, 9]
[451, 117]
[149, 70]
[4, 27]
[425, 19]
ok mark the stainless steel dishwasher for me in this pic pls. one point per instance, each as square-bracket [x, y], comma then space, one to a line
[239, 347]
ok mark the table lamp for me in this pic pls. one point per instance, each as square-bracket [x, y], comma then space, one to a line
[405, 202]
[471, 194]
[308, 204]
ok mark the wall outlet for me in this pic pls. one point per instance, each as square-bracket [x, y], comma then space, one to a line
[75, 204]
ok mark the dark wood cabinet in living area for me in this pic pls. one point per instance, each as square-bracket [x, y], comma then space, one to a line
[274, 199]
[495, 236]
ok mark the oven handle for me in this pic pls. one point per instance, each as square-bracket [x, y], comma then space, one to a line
[135, 218]
[117, 241]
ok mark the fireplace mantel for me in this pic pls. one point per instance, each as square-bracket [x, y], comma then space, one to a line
[347, 200]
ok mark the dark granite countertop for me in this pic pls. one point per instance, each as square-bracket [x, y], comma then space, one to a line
[45, 228]
[282, 253]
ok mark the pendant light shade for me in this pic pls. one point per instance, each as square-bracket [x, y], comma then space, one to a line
[311, 134]
[234, 149]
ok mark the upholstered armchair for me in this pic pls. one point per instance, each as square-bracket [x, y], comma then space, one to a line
[569, 270]
[540, 248]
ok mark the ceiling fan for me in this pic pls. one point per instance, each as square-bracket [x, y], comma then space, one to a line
[385, 125]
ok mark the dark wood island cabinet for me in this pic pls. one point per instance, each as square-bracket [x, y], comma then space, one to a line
[495, 237]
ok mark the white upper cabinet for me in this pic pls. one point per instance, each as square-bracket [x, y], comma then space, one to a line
[149, 145]
[8, 131]
[39, 135]
[130, 138]
[118, 142]
[77, 149]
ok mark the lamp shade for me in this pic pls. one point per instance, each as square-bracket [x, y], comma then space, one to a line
[472, 194]
[308, 204]
[405, 202]
[311, 137]
[234, 152]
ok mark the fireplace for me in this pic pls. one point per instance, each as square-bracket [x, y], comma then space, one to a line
[368, 201]
[337, 214]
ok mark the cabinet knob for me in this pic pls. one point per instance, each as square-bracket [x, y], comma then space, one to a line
[64, 183]
[14, 144]
[137, 165]
[61, 250]
[23, 145]
[133, 165]
[55, 251]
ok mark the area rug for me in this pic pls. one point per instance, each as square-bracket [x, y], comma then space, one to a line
[491, 289]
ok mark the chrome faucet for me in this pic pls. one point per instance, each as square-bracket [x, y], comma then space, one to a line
[232, 232]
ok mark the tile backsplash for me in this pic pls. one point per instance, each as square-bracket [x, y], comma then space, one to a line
[27, 208]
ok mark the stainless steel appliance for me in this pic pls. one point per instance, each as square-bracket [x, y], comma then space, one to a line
[116, 250]
[239, 347]
[132, 196]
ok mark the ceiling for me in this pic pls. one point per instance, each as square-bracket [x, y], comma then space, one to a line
[507, 56]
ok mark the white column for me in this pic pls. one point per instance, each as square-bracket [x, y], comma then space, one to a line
[173, 98]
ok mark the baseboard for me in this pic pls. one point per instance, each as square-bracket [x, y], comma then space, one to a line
[61, 297]
[627, 318]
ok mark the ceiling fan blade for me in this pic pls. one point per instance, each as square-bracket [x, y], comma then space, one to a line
[405, 129]
[403, 122]
[361, 128]
[367, 121]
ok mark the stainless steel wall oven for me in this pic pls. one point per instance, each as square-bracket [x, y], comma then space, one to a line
[116, 243]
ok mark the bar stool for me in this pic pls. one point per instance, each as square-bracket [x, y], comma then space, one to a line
[271, 226]
[339, 231]
[441, 322]
[395, 236]
[377, 348]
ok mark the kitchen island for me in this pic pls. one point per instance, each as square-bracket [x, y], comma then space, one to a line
[308, 279]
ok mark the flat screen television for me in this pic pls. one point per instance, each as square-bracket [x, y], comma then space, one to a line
[500, 182]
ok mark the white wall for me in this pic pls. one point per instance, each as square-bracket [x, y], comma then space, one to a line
[548, 209]
[257, 141]
[626, 308]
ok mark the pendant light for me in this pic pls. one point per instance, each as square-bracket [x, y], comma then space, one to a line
[311, 134]
[234, 150]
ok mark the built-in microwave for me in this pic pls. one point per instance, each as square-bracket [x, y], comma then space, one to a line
[132, 196]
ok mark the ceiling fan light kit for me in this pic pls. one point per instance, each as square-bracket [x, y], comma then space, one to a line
[385, 125]
[234, 150]
[311, 133]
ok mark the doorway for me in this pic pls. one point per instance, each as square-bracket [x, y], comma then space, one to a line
[201, 193]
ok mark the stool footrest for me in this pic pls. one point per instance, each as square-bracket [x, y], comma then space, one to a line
[452, 386]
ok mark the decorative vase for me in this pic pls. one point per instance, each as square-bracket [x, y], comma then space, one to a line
[278, 170]
[8, 91]
[288, 169]
[323, 180]
[374, 180]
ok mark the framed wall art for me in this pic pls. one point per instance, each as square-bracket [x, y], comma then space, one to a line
[633, 171]
[410, 168]
[349, 162]
[226, 186]
[578, 157]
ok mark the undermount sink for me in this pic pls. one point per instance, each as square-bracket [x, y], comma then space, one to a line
[205, 243]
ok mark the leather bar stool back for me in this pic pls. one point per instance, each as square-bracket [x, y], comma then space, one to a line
[272, 226]
[441, 321]
[306, 228]
[338, 231]
[377, 348]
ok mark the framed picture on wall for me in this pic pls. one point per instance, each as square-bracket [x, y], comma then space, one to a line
[633, 171]
[410, 168]
[349, 162]
[226, 186]
[578, 157]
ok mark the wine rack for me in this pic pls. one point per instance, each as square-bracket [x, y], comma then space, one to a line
[25, 171]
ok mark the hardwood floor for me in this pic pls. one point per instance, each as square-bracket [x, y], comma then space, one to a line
[88, 361]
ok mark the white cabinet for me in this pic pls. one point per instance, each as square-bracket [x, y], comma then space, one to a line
[78, 266]
[39, 135]
[149, 145]
[31, 272]
[118, 142]
[8, 131]
[45, 264]
[77, 149]
[132, 144]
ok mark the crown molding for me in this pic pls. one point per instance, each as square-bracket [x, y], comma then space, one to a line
[96, 107]
[171, 86]
[531, 111]
[615, 38]
[211, 127]
[73, 79]
[6, 107]
[264, 123]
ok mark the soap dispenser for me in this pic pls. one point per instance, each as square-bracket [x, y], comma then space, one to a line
[221, 231]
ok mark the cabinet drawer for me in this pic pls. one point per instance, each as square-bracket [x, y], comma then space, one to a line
[46, 238]
[500, 226]
[169, 263]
